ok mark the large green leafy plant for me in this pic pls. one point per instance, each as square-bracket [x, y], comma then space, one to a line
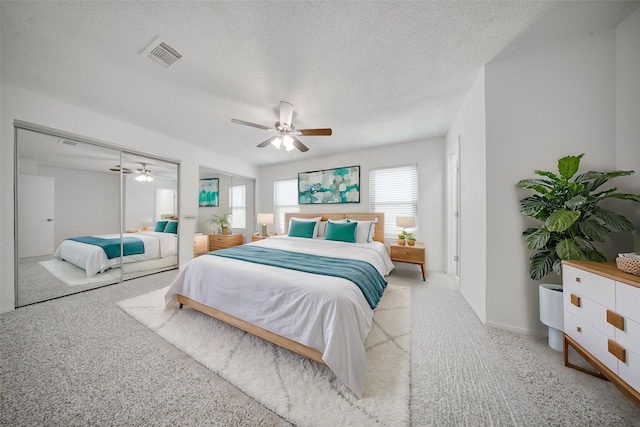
[567, 206]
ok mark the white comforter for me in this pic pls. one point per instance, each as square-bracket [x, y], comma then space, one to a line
[93, 260]
[327, 313]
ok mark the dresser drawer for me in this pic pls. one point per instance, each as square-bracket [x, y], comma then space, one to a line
[414, 254]
[628, 301]
[588, 311]
[589, 285]
[590, 339]
[629, 338]
[629, 371]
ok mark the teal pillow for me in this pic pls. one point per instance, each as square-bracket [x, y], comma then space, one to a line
[301, 228]
[345, 232]
[172, 227]
[160, 225]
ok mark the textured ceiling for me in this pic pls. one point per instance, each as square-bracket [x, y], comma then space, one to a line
[377, 73]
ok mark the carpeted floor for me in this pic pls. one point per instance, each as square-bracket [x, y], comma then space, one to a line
[80, 360]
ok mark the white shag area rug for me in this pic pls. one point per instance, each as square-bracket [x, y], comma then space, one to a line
[75, 276]
[301, 391]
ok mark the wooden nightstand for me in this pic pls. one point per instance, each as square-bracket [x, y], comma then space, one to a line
[224, 241]
[410, 254]
[256, 237]
[200, 244]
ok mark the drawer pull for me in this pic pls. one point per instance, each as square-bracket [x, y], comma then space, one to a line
[615, 319]
[578, 329]
[575, 300]
[578, 279]
[619, 352]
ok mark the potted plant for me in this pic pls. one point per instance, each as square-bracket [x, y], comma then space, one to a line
[571, 220]
[222, 220]
[410, 239]
[401, 238]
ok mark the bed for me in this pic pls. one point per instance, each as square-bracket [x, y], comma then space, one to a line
[323, 317]
[153, 250]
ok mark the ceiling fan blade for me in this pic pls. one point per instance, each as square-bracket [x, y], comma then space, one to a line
[298, 144]
[286, 115]
[267, 142]
[242, 122]
[315, 132]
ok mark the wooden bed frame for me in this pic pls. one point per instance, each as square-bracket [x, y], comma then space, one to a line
[287, 343]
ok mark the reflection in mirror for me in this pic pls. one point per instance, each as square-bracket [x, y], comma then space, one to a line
[86, 216]
[235, 196]
[151, 214]
[64, 190]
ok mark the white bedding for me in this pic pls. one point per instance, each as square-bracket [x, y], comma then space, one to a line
[93, 260]
[329, 314]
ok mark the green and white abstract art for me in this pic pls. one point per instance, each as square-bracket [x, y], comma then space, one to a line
[340, 185]
[208, 195]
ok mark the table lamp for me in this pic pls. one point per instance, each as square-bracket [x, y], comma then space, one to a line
[405, 222]
[264, 219]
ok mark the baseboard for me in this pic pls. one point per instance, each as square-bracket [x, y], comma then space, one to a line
[534, 333]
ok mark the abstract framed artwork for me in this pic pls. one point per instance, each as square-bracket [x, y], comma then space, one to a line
[339, 185]
[208, 195]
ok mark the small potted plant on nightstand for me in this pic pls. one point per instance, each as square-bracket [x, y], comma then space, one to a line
[222, 220]
[410, 239]
[402, 238]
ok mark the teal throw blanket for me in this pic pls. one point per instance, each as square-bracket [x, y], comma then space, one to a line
[111, 247]
[363, 274]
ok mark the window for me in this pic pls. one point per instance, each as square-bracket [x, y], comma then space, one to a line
[285, 200]
[238, 197]
[394, 191]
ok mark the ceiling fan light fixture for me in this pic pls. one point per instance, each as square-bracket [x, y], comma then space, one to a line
[287, 141]
[277, 142]
[144, 178]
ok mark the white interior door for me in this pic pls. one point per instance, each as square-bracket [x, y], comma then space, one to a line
[36, 209]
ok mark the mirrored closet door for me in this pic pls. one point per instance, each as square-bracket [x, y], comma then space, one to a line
[86, 214]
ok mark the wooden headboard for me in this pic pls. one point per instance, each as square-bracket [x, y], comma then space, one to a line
[378, 236]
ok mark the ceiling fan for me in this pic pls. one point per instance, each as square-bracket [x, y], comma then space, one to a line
[144, 174]
[286, 133]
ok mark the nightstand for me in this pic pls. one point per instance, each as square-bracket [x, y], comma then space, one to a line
[224, 241]
[410, 254]
[256, 237]
[200, 244]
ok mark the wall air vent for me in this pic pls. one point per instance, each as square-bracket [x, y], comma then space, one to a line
[161, 53]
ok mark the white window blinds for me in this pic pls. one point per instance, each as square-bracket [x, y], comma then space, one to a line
[394, 191]
[238, 197]
[285, 199]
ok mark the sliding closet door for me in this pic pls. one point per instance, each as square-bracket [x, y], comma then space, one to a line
[150, 195]
[64, 190]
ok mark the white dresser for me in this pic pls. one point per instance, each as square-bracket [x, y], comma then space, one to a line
[602, 322]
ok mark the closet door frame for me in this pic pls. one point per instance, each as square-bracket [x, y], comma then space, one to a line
[33, 127]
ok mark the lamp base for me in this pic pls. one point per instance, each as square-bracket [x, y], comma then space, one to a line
[264, 230]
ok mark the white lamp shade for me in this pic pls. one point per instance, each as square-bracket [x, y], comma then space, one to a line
[405, 221]
[265, 218]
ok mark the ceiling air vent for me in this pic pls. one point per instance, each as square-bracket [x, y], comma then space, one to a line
[161, 53]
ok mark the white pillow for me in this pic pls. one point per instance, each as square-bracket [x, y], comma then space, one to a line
[322, 229]
[315, 229]
[365, 230]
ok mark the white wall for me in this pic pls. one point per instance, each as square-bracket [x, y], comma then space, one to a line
[628, 115]
[469, 129]
[20, 104]
[429, 156]
[538, 107]
[80, 216]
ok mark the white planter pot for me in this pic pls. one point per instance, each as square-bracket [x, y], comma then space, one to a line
[552, 313]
